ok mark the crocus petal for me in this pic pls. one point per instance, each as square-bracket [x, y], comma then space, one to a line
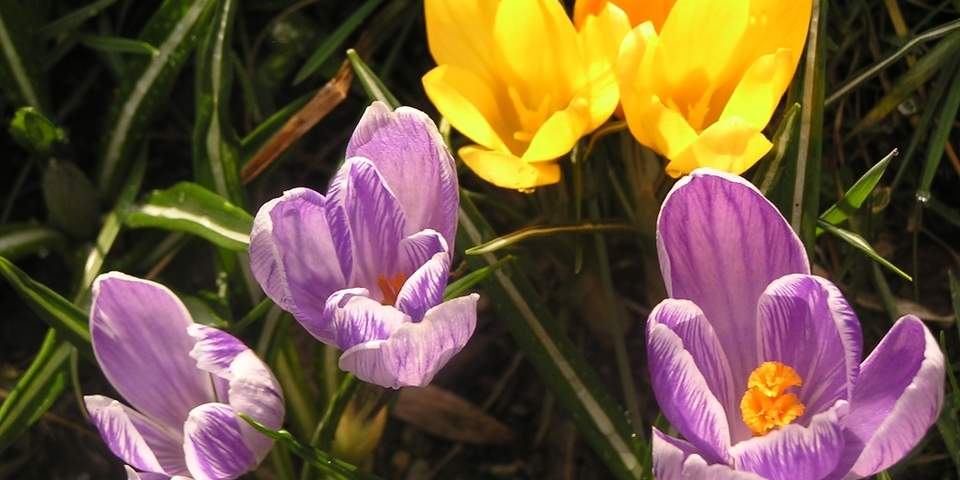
[425, 287]
[716, 230]
[375, 218]
[731, 145]
[773, 25]
[461, 33]
[675, 459]
[687, 321]
[416, 351]
[796, 451]
[805, 323]
[135, 475]
[253, 390]
[760, 89]
[682, 391]
[134, 438]
[508, 171]
[414, 162]
[419, 248]
[300, 254]
[357, 319]
[560, 132]
[139, 334]
[600, 35]
[897, 397]
[469, 105]
[214, 446]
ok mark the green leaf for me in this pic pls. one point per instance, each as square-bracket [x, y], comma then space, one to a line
[36, 390]
[535, 232]
[319, 459]
[19, 71]
[70, 198]
[857, 194]
[332, 43]
[74, 19]
[941, 134]
[188, 207]
[771, 166]
[118, 45]
[255, 140]
[69, 321]
[173, 29]
[35, 132]
[858, 242]
[19, 240]
[468, 281]
[375, 88]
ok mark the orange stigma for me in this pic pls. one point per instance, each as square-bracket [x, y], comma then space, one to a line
[390, 287]
[766, 406]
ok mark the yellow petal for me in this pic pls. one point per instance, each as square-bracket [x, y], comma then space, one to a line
[759, 92]
[560, 132]
[732, 145]
[698, 41]
[461, 33]
[467, 103]
[540, 47]
[600, 35]
[508, 171]
[650, 122]
[638, 11]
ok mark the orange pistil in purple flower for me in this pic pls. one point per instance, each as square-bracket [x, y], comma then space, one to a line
[766, 406]
[390, 287]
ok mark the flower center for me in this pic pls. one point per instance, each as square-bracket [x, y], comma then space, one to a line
[390, 287]
[765, 406]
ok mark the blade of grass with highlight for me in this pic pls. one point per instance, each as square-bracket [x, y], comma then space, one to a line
[859, 243]
[19, 71]
[856, 194]
[536, 232]
[334, 40]
[20, 240]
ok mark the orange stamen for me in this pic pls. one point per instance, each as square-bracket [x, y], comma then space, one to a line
[390, 287]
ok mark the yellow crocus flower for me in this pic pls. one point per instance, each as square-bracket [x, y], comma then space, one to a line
[700, 83]
[518, 79]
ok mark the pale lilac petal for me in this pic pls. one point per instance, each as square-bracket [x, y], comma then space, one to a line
[300, 253]
[720, 244]
[253, 390]
[417, 249]
[414, 162]
[796, 451]
[687, 321]
[376, 221]
[139, 334]
[681, 390]
[675, 459]
[135, 475]
[898, 395]
[805, 323]
[424, 289]
[357, 319]
[214, 446]
[415, 352]
[136, 439]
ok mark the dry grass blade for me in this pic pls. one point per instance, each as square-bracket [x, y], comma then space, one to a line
[326, 99]
[447, 415]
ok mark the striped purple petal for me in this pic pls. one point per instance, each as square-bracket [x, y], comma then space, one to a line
[425, 287]
[136, 439]
[213, 444]
[675, 459]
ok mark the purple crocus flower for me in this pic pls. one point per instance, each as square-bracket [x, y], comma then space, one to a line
[757, 363]
[185, 382]
[364, 267]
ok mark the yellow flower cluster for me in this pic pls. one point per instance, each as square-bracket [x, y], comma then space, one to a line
[698, 80]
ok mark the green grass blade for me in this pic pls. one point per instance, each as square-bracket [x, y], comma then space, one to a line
[20, 240]
[771, 167]
[468, 281]
[74, 19]
[173, 29]
[254, 141]
[955, 297]
[333, 42]
[859, 243]
[941, 134]
[36, 390]
[857, 194]
[69, 321]
[118, 45]
[536, 232]
[19, 72]
[369, 81]
[188, 207]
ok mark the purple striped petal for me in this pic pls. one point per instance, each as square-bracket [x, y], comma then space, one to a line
[720, 244]
[418, 248]
[376, 221]
[139, 334]
[357, 319]
[675, 459]
[898, 395]
[411, 156]
[796, 451]
[135, 475]
[424, 289]
[214, 446]
[253, 390]
[682, 392]
[805, 323]
[415, 352]
[300, 253]
[136, 439]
